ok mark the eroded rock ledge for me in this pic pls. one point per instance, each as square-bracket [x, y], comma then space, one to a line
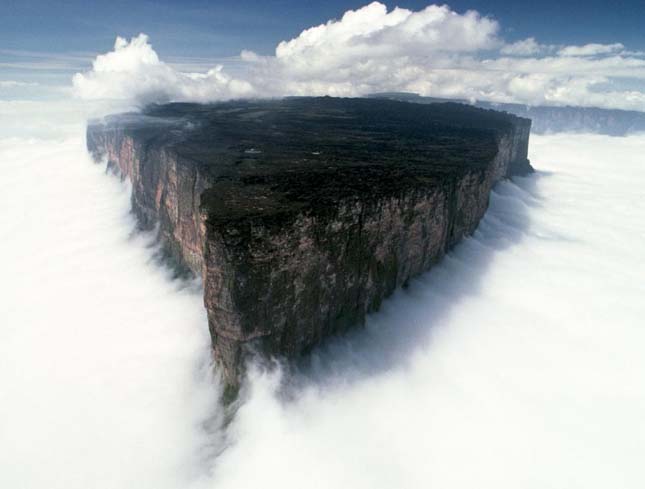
[301, 215]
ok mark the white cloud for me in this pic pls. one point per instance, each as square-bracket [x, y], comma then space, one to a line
[525, 47]
[591, 49]
[133, 71]
[434, 51]
[468, 370]
[16, 84]
[371, 49]
[105, 361]
[100, 350]
[373, 31]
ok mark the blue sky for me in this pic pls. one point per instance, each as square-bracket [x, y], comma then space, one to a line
[44, 43]
[223, 28]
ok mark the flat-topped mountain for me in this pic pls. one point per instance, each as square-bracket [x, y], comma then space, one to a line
[548, 119]
[302, 214]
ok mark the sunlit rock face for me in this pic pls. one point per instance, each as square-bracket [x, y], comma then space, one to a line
[301, 215]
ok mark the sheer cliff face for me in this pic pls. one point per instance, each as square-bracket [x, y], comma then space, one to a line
[165, 191]
[306, 248]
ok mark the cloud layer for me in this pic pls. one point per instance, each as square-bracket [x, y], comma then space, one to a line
[518, 357]
[103, 359]
[434, 51]
[516, 362]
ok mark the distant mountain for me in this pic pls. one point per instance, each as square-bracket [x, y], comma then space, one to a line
[547, 119]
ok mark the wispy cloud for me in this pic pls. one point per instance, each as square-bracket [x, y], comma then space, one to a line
[17, 84]
[591, 49]
[525, 47]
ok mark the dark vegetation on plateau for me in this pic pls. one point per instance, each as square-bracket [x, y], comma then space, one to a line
[303, 214]
[269, 158]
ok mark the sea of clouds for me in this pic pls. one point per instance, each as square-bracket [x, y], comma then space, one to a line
[515, 363]
[103, 359]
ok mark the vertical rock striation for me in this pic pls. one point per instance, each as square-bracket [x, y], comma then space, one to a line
[302, 215]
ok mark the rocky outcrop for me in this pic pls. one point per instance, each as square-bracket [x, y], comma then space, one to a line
[302, 215]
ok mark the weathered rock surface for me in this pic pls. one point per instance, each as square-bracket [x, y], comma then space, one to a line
[301, 215]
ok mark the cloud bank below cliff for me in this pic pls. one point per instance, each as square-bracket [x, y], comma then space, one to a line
[516, 362]
[103, 358]
[434, 51]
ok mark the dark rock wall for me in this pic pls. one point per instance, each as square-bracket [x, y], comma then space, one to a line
[281, 287]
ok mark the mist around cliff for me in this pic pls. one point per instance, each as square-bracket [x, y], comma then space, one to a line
[104, 360]
[516, 362]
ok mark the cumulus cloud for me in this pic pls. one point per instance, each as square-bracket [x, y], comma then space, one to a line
[371, 49]
[373, 31]
[434, 51]
[525, 47]
[133, 71]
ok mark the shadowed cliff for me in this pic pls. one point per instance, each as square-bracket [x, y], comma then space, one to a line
[301, 215]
